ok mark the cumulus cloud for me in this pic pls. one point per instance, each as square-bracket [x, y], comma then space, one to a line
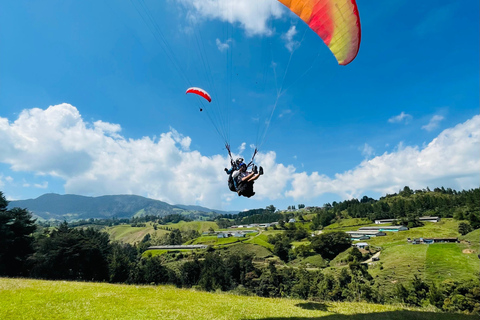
[433, 123]
[95, 159]
[252, 15]
[402, 117]
[290, 43]
[451, 159]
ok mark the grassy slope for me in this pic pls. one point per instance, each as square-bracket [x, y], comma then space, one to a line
[38, 299]
[127, 233]
[436, 262]
[447, 261]
[345, 224]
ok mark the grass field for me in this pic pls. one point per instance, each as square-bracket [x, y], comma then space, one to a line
[349, 224]
[258, 251]
[128, 234]
[447, 261]
[38, 299]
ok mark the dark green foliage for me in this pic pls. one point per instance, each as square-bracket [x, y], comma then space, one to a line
[73, 254]
[330, 244]
[16, 241]
[323, 218]
[214, 274]
[464, 228]
[190, 273]
[282, 248]
[151, 271]
[121, 261]
[407, 206]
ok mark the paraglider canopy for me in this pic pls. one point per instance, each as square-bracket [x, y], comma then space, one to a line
[335, 21]
[198, 91]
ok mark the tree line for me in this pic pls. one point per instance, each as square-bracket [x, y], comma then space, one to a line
[406, 207]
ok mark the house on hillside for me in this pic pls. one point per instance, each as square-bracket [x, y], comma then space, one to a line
[429, 219]
[433, 240]
[368, 233]
[223, 235]
[443, 240]
[382, 221]
[386, 228]
[360, 245]
[359, 238]
[239, 235]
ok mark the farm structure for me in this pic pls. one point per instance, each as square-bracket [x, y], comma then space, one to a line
[385, 228]
[429, 219]
[368, 233]
[423, 219]
[432, 240]
[254, 225]
[359, 237]
[178, 247]
[360, 245]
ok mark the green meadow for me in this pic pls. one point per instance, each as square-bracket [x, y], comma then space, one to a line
[38, 299]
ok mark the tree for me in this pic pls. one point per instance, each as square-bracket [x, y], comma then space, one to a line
[271, 208]
[16, 240]
[330, 244]
[464, 228]
[281, 249]
[72, 254]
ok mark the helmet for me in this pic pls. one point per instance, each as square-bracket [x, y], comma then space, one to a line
[239, 161]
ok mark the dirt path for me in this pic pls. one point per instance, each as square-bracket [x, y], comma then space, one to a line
[376, 255]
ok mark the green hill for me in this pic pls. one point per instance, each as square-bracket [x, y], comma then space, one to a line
[38, 299]
[72, 207]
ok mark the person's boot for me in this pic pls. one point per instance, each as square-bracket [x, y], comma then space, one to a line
[261, 171]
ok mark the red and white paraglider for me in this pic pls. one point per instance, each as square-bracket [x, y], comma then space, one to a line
[200, 92]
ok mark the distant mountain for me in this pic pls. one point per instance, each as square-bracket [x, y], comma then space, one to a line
[74, 207]
[203, 209]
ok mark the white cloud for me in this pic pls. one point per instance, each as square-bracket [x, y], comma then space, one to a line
[433, 123]
[452, 159]
[94, 159]
[290, 43]
[367, 150]
[284, 113]
[402, 117]
[222, 46]
[252, 15]
[43, 185]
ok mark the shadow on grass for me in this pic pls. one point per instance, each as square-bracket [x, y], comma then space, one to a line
[313, 306]
[391, 315]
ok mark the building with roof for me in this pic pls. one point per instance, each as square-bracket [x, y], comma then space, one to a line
[382, 221]
[368, 233]
[360, 245]
[385, 228]
[359, 238]
[179, 247]
[429, 219]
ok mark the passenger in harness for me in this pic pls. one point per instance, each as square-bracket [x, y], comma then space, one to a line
[232, 184]
[244, 180]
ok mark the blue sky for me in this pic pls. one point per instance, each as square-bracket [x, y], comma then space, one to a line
[92, 100]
